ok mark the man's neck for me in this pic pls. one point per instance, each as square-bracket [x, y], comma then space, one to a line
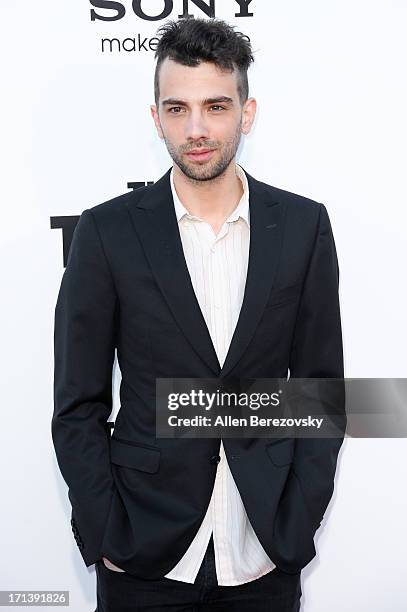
[214, 200]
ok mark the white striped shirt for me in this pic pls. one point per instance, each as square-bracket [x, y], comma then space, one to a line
[217, 266]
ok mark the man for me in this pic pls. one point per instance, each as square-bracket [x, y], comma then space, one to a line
[207, 273]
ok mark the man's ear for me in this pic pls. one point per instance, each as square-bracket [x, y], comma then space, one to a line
[156, 118]
[248, 114]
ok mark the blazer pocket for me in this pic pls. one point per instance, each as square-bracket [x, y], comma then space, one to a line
[133, 455]
[281, 451]
[284, 295]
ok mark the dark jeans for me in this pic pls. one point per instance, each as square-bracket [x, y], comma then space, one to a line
[276, 591]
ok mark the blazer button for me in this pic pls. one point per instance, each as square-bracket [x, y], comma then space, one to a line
[214, 459]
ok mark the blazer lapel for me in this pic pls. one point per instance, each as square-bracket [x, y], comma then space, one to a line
[156, 225]
[266, 234]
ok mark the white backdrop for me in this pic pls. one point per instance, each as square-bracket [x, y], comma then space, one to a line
[329, 78]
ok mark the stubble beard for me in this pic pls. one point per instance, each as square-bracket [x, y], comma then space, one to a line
[211, 169]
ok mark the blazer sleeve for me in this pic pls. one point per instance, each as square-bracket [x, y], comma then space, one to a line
[84, 345]
[317, 352]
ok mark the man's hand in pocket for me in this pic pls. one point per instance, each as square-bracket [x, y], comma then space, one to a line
[111, 565]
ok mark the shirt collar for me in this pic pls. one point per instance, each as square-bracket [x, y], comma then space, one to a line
[241, 210]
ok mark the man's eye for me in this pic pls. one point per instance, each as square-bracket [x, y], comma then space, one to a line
[177, 108]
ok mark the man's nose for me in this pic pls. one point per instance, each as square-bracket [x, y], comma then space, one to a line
[196, 126]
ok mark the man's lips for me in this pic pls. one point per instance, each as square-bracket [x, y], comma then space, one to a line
[200, 154]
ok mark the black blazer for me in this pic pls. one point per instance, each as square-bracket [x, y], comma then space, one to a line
[139, 500]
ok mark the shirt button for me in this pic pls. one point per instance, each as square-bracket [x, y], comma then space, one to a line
[214, 459]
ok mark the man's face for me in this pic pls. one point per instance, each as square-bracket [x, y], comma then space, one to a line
[199, 109]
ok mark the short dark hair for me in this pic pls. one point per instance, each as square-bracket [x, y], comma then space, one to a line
[191, 40]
